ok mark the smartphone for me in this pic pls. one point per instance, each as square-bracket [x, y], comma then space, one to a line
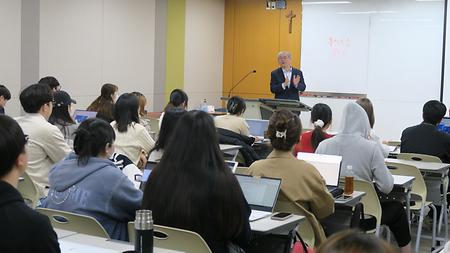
[281, 216]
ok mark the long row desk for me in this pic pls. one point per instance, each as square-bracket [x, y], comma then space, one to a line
[70, 241]
[435, 168]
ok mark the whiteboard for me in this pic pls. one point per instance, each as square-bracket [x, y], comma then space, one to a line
[390, 50]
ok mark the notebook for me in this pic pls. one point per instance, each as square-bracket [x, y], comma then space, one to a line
[232, 165]
[329, 166]
[261, 194]
[82, 115]
[257, 127]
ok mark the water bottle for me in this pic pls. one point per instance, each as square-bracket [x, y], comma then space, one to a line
[204, 106]
[143, 226]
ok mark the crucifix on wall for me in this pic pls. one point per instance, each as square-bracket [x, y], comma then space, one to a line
[290, 16]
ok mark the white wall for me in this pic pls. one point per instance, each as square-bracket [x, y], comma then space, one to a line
[86, 43]
[10, 37]
[203, 70]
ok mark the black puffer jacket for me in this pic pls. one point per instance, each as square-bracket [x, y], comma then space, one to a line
[230, 137]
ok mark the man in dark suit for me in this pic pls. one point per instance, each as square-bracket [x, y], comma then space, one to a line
[286, 81]
[425, 138]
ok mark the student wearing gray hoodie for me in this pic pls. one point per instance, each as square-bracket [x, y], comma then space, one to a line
[86, 182]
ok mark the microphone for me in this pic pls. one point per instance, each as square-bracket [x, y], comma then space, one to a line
[242, 79]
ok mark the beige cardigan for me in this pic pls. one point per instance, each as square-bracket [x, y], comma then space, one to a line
[300, 183]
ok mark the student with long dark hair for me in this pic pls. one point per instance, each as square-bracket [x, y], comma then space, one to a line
[233, 121]
[167, 127]
[87, 182]
[132, 139]
[321, 116]
[23, 229]
[61, 117]
[104, 104]
[301, 183]
[192, 188]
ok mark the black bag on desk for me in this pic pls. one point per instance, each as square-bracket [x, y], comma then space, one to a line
[271, 243]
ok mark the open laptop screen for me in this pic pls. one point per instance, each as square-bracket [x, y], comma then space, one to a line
[82, 115]
[257, 127]
[261, 193]
[329, 166]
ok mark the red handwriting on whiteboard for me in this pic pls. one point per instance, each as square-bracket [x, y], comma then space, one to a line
[339, 46]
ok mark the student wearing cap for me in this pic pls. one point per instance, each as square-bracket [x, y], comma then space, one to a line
[61, 115]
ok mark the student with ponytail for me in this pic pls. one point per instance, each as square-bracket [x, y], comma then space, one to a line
[321, 116]
[86, 182]
[301, 183]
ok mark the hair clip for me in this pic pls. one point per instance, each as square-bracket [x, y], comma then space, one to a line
[319, 123]
[281, 134]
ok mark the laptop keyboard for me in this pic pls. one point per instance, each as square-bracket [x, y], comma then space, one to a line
[335, 191]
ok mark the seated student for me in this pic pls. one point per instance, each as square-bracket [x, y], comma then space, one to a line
[143, 118]
[353, 241]
[104, 104]
[86, 182]
[61, 115]
[321, 116]
[300, 181]
[167, 127]
[366, 104]
[5, 95]
[178, 99]
[52, 82]
[195, 190]
[233, 120]
[23, 229]
[425, 138]
[47, 145]
[132, 139]
[366, 161]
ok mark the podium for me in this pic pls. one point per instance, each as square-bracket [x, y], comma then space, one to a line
[263, 108]
[269, 106]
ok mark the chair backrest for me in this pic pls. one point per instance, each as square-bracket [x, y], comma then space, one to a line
[29, 191]
[242, 171]
[419, 187]
[419, 157]
[174, 239]
[370, 201]
[74, 222]
[313, 235]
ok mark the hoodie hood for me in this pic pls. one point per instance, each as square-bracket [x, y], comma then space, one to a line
[68, 172]
[355, 121]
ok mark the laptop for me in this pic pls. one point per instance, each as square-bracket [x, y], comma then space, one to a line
[257, 127]
[82, 115]
[261, 194]
[146, 175]
[232, 165]
[329, 166]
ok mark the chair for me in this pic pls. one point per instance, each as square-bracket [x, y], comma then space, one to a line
[242, 171]
[419, 157]
[74, 222]
[174, 239]
[370, 201]
[29, 190]
[310, 230]
[419, 192]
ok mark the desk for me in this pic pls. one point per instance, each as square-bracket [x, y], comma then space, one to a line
[353, 200]
[61, 233]
[231, 150]
[267, 225]
[91, 244]
[437, 168]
